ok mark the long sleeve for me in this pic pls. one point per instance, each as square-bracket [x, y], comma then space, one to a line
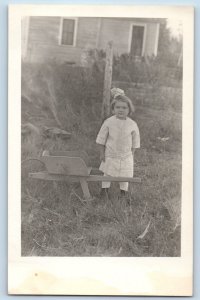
[103, 134]
[136, 137]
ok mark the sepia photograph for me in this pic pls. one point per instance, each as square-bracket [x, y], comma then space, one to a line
[101, 90]
[101, 150]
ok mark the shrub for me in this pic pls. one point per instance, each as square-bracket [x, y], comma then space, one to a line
[150, 70]
[60, 95]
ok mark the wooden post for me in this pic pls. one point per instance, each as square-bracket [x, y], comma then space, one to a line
[85, 188]
[107, 81]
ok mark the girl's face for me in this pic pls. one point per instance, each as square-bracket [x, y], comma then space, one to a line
[121, 110]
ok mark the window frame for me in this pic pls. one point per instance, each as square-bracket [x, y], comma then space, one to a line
[61, 31]
[144, 36]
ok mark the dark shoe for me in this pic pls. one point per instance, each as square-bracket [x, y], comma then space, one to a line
[104, 193]
[123, 193]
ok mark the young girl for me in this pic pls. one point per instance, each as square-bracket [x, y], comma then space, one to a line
[117, 139]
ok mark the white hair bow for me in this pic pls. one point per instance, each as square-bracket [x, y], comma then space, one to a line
[116, 92]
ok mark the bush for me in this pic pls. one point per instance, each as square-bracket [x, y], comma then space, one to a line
[61, 94]
[150, 70]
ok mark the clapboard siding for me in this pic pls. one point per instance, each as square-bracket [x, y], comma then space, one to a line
[45, 30]
[119, 31]
[42, 53]
[44, 37]
[87, 32]
[116, 31]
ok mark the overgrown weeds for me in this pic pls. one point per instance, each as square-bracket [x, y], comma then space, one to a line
[56, 220]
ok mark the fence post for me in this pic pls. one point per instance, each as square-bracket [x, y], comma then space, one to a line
[107, 81]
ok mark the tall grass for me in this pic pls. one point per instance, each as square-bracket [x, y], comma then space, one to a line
[56, 219]
[154, 71]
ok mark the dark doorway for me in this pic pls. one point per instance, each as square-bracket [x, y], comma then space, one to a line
[137, 40]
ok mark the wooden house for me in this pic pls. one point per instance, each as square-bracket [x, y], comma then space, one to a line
[65, 39]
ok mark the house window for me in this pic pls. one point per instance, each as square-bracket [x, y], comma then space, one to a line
[68, 32]
[137, 40]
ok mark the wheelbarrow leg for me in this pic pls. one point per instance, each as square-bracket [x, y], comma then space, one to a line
[85, 189]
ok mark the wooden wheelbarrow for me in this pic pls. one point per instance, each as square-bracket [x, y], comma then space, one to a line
[72, 166]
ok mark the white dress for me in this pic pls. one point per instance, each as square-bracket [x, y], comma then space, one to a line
[119, 137]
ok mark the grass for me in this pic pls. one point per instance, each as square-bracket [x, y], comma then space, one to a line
[57, 221]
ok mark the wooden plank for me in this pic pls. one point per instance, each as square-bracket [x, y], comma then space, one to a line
[91, 178]
[52, 177]
[85, 189]
[116, 179]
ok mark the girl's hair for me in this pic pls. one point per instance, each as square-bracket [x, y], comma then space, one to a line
[125, 99]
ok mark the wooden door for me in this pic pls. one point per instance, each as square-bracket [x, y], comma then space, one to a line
[68, 32]
[137, 40]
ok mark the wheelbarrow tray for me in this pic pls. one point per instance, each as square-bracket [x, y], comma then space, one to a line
[67, 162]
[72, 166]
